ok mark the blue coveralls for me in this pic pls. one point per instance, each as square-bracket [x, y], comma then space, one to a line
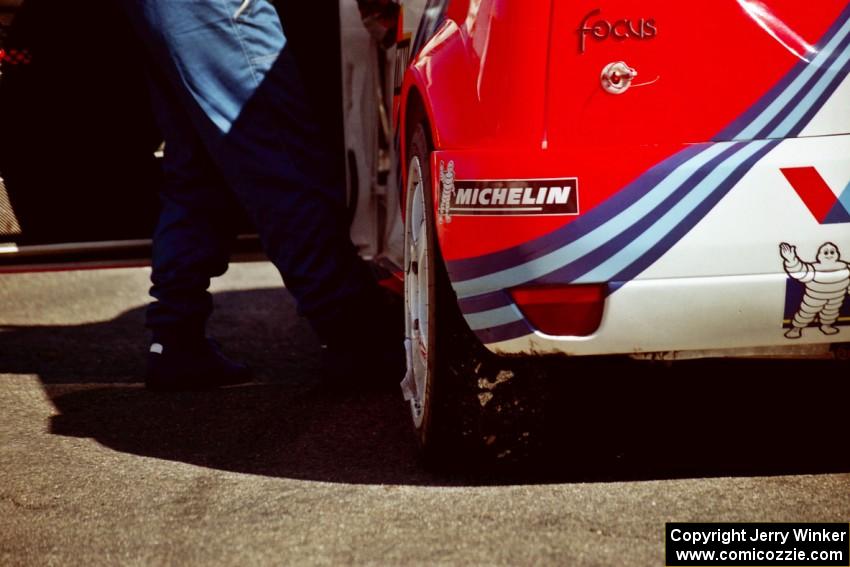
[239, 127]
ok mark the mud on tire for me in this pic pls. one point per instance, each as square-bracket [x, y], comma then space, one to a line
[477, 409]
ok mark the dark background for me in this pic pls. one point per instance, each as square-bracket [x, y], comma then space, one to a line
[77, 135]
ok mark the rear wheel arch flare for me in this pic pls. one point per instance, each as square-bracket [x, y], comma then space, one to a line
[415, 113]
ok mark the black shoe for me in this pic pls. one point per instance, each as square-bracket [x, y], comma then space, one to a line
[200, 365]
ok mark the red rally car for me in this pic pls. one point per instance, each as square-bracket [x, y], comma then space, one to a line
[663, 180]
[548, 178]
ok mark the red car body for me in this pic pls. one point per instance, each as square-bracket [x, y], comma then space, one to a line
[511, 91]
[656, 179]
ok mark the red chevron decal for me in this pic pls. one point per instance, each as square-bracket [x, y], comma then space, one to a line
[812, 189]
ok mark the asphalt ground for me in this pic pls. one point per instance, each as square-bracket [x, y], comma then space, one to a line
[96, 470]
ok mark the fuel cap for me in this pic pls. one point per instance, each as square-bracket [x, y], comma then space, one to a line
[617, 77]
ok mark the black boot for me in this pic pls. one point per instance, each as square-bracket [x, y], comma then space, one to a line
[177, 365]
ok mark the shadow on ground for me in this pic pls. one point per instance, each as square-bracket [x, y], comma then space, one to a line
[610, 420]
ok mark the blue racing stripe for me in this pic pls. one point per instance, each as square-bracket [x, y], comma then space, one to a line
[781, 101]
[798, 100]
[493, 317]
[827, 77]
[810, 114]
[734, 129]
[609, 249]
[674, 236]
[484, 302]
[664, 225]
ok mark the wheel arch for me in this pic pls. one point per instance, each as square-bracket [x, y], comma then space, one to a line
[438, 90]
[440, 85]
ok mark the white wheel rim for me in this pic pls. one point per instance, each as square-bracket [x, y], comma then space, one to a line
[416, 289]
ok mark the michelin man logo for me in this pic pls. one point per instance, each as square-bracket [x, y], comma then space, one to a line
[447, 182]
[827, 283]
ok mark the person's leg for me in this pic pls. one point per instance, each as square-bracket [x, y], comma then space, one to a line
[242, 90]
[195, 230]
[191, 245]
[244, 95]
[298, 207]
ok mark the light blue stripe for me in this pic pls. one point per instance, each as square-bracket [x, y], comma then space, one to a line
[493, 317]
[844, 198]
[559, 258]
[811, 97]
[654, 234]
[779, 103]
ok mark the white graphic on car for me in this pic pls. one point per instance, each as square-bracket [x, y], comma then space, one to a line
[827, 282]
[447, 182]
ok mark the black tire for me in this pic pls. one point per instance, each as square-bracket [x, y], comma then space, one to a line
[477, 408]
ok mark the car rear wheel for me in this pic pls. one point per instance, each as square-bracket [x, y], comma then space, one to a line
[468, 406]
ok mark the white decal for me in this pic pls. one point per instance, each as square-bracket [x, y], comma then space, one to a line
[827, 282]
[447, 182]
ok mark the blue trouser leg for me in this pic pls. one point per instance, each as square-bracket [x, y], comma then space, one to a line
[196, 224]
[239, 90]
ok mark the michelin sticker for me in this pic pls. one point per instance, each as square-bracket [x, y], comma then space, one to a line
[519, 197]
[815, 291]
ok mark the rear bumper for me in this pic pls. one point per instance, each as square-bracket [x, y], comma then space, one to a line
[735, 313]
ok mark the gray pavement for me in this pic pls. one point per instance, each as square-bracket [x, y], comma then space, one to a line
[95, 470]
